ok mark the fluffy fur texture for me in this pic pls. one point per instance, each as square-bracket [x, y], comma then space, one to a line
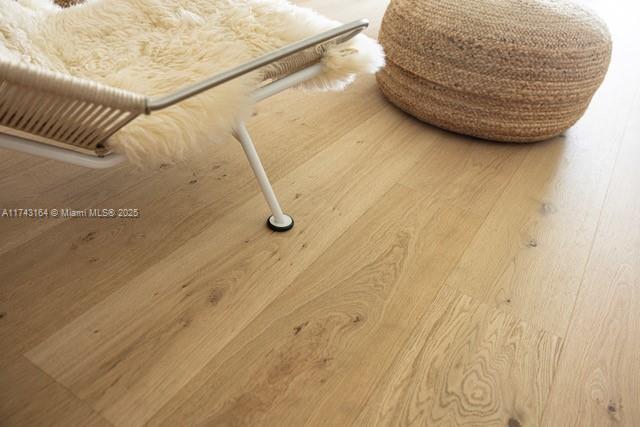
[153, 47]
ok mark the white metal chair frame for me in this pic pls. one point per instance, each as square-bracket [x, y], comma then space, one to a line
[278, 221]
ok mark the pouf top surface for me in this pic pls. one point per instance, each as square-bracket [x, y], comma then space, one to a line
[543, 23]
[514, 35]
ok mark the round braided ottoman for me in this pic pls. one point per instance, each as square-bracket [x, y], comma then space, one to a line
[503, 70]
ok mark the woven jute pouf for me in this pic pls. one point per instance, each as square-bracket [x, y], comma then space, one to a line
[503, 70]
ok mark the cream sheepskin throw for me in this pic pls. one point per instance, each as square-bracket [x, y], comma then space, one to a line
[154, 47]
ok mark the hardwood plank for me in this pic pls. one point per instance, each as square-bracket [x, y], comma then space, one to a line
[12, 162]
[311, 348]
[466, 363]
[10, 158]
[529, 255]
[29, 397]
[55, 406]
[116, 355]
[599, 376]
[465, 172]
[31, 177]
[19, 381]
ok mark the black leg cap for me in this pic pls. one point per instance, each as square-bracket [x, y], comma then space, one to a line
[279, 228]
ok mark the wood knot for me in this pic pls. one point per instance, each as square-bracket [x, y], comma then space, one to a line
[215, 296]
[513, 423]
[326, 360]
[613, 409]
[89, 236]
[297, 329]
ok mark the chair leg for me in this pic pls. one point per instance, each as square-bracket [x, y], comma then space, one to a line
[278, 221]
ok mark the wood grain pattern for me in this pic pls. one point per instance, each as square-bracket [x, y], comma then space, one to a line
[497, 370]
[599, 378]
[475, 180]
[230, 293]
[315, 341]
[19, 380]
[430, 278]
[29, 397]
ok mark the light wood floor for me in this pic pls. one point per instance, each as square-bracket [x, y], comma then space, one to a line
[430, 278]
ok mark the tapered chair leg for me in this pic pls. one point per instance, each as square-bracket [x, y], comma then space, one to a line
[278, 221]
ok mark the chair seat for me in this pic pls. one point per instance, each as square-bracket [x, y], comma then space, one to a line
[149, 48]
